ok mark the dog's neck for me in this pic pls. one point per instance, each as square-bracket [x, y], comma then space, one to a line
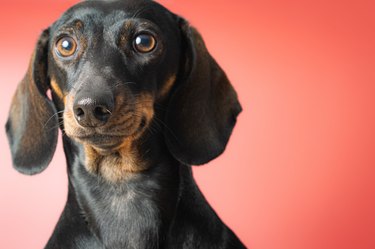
[123, 204]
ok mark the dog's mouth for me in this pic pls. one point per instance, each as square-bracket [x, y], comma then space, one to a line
[105, 143]
[107, 139]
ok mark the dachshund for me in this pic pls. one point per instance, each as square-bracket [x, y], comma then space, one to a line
[138, 99]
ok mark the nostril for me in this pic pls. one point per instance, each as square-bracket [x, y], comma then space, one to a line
[102, 113]
[79, 113]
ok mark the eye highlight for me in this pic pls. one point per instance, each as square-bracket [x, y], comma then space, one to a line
[144, 43]
[66, 46]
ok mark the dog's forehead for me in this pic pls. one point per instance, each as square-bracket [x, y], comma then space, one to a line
[110, 12]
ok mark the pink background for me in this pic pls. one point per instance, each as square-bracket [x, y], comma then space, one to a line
[298, 172]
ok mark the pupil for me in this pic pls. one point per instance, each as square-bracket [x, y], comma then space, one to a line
[66, 45]
[143, 41]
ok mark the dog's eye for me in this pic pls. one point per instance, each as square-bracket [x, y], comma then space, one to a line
[144, 43]
[66, 46]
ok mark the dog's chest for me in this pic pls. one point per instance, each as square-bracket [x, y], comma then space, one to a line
[125, 218]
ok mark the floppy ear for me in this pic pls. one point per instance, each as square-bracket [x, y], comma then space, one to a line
[204, 107]
[32, 126]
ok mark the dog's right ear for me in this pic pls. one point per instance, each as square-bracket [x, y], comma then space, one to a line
[32, 125]
[204, 107]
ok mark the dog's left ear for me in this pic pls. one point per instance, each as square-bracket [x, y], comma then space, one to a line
[32, 126]
[204, 107]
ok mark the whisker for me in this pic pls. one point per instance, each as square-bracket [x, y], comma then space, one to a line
[123, 83]
[140, 11]
[58, 125]
[57, 113]
[166, 126]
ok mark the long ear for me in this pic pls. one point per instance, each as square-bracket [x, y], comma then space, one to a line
[203, 109]
[32, 125]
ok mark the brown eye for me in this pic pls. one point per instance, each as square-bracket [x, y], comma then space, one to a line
[66, 46]
[144, 43]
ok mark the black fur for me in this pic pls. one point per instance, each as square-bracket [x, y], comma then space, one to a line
[31, 127]
[160, 206]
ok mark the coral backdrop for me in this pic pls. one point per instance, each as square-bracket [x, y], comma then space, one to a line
[299, 171]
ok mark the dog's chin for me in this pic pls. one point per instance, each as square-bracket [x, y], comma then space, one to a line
[103, 144]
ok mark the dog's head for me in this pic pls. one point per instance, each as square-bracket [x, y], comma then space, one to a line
[110, 66]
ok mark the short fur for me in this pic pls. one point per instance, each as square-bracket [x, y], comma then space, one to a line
[130, 179]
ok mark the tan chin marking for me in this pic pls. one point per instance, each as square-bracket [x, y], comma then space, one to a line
[116, 166]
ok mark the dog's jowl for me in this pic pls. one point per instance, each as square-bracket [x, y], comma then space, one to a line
[139, 100]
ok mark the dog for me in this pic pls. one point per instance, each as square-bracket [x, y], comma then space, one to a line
[138, 99]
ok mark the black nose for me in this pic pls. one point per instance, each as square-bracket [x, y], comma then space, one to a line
[93, 111]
